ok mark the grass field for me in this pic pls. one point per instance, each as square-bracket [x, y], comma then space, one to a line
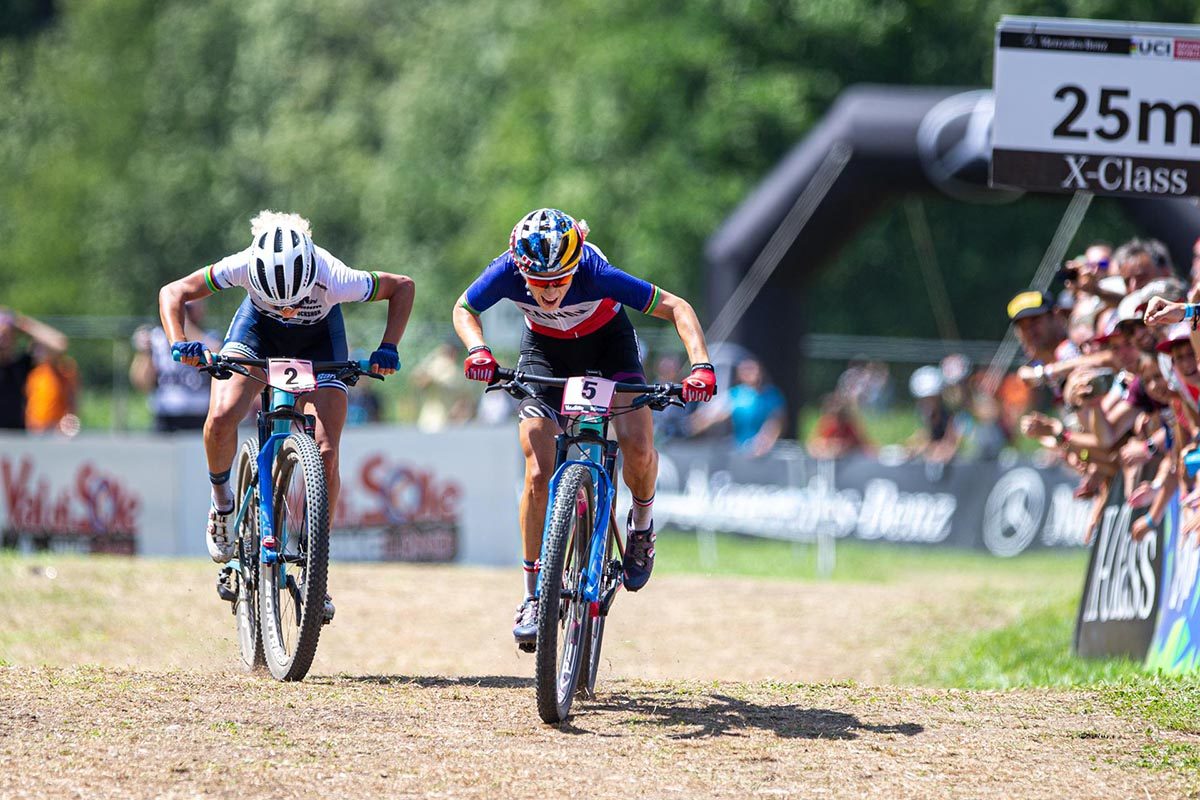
[908, 673]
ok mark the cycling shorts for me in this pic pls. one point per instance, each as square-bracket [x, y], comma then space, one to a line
[612, 350]
[253, 334]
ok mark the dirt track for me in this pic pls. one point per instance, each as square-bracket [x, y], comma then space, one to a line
[725, 704]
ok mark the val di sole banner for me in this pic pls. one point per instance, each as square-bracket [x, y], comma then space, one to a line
[1175, 647]
[1118, 610]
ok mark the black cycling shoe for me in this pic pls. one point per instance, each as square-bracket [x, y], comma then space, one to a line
[639, 555]
[525, 625]
[225, 585]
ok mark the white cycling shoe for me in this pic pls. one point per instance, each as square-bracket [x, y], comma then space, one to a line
[220, 543]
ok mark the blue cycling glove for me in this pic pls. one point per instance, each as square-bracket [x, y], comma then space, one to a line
[182, 350]
[386, 357]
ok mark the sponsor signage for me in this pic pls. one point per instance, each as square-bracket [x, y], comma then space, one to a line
[103, 499]
[1103, 107]
[1005, 510]
[406, 495]
[1119, 607]
[1176, 643]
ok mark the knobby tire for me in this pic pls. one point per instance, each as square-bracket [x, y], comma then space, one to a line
[297, 451]
[565, 558]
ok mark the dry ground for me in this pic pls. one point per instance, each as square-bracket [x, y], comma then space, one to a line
[722, 688]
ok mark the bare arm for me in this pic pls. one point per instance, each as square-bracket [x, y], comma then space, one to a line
[48, 338]
[467, 324]
[171, 301]
[399, 291]
[679, 312]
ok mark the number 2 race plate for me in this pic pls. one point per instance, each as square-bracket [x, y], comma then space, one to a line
[587, 396]
[1103, 107]
[291, 374]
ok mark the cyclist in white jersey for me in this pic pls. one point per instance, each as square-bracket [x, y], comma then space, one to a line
[294, 289]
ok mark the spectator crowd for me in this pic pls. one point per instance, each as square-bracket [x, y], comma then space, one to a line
[1114, 359]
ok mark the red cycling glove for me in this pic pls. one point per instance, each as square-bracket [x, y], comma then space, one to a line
[480, 365]
[701, 385]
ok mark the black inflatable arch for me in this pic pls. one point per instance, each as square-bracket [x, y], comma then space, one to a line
[901, 140]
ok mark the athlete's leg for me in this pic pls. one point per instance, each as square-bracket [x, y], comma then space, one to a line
[330, 406]
[635, 434]
[229, 400]
[537, 443]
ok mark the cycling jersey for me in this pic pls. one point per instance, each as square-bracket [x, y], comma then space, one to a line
[593, 299]
[336, 283]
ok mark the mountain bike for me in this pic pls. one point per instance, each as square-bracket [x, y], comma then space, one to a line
[582, 548]
[276, 580]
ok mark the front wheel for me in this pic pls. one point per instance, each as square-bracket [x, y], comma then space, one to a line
[292, 589]
[245, 604]
[563, 621]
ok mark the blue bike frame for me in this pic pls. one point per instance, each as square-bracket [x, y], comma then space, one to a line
[593, 459]
[267, 450]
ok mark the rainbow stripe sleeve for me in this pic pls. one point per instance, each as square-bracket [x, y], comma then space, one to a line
[655, 297]
[211, 279]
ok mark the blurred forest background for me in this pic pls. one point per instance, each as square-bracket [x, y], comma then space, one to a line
[139, 136]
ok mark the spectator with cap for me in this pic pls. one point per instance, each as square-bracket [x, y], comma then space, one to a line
[17, 362]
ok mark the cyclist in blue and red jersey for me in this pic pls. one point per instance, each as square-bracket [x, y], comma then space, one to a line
[294, 290]
[574, 304]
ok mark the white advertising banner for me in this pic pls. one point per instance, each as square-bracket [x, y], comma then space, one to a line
[96, 494]
[406, 495]
[1104, 107]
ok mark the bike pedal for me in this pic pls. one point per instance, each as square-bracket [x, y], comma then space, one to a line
[527, 647]
[224, 589]
[329, 611]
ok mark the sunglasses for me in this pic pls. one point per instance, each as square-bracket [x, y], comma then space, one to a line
[1100, 264]
[549, 284]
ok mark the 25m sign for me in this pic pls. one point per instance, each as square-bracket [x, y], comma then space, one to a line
[1105, 107]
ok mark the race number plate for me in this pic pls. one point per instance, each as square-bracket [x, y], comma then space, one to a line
[587, 396]
[291, 374]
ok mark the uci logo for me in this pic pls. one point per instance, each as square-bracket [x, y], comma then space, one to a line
[1145, 46]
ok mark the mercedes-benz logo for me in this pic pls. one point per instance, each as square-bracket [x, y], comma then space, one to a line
[954, 143]
[1013, 512]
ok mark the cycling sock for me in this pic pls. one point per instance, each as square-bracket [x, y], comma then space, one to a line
[531, 576]
[643, 513]
[222, 495]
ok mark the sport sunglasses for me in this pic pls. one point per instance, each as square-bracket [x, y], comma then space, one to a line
[553, 283]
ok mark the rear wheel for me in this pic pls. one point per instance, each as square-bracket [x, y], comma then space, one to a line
[245, 579]
[292, 589]
[563, 619]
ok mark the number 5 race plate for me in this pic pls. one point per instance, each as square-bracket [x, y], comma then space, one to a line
[291, 374]
[587, 396]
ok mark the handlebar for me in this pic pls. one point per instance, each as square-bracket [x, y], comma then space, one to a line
[655, 395]
[222, 367]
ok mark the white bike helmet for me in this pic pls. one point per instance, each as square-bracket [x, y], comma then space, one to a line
[283, 266]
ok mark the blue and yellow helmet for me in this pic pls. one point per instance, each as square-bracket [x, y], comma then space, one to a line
[547, 243]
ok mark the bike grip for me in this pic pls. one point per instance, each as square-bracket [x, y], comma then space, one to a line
[175, 355]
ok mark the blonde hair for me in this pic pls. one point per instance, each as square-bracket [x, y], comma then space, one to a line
[267, 219]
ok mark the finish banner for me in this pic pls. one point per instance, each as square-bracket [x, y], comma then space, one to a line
[1176, 643]
[1120, 593]
[1004, 509]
